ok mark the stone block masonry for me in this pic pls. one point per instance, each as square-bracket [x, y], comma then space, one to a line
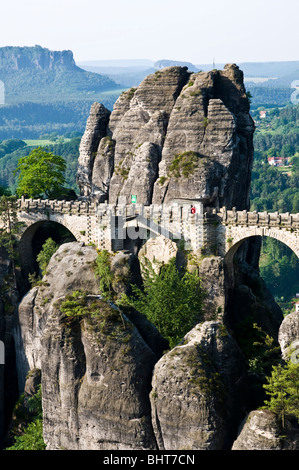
[107, 226]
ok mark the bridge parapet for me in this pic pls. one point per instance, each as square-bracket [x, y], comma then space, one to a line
[274, 219]
[108, 226]
[62, 207]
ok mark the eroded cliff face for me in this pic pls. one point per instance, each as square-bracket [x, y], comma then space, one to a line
[96, 368]
[106, 383]
[199, 388]
[107, 380]
[178, 135]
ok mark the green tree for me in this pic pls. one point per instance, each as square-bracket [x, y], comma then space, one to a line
[44, 256]
[40, 174]
[276, 388]
[283, 388]
[27, 432]
[31, 439]
[171, 300]
[105, 275]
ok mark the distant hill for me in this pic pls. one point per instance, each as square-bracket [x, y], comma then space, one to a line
[36, 74]
[284, 81]
[130, 73]
[260, 69]
[46, 92]
[160, 64]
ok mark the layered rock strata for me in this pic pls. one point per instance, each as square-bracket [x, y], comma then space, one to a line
[197, 389]
[178, 135]
[96, 367]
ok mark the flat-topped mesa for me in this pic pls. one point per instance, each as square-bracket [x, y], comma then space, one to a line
[178, 135]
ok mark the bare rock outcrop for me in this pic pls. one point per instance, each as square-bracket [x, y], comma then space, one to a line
[96, 129]
[288, 335]
[96, 366]
[178, 135]
[196, 390]
[262, 431]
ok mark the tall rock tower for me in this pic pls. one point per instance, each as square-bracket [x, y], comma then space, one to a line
[178, 135]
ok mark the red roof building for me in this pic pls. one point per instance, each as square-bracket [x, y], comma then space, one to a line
[276, 161]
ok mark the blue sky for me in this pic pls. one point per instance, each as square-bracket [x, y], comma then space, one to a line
[191, 30]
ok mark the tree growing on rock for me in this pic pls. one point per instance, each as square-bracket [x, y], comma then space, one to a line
[44, 256]
[283, 389]
[171, 300]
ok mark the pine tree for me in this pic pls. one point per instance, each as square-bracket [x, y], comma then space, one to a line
[171, 300]
[277, 390]
[283, 389]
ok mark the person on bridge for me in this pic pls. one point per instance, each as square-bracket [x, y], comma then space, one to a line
[193, 210]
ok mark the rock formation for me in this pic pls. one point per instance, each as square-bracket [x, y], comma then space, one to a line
[96, 129]
[197, 389]
[96, 370]
[178, 135]
[288, 335]
[108, 381]
[262, 431]
[17, 58]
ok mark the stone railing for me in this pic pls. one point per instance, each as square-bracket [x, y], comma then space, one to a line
[271, 219]
[63, 207]
[175, 212]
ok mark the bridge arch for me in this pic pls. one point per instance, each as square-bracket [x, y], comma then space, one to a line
[237, 236]
[33, 237]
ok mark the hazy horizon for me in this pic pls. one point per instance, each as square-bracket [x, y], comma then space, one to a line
[197, 32]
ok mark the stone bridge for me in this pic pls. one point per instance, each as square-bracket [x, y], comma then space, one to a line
[112, 227]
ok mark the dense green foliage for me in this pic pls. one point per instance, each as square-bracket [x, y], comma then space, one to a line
[279, 267]
[268, 96]
[10, 146]
[283, 389]
[40, 174]
[67, 148]
[30, 120]
[279, 130]
[104, 274]
[75, 305]
[27, 431]
[46, 253]
[273, 190]
[259, 348]
[171, 300]
[276, 189]
[31, 439]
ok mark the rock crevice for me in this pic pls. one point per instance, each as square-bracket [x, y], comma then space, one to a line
[178, 135]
